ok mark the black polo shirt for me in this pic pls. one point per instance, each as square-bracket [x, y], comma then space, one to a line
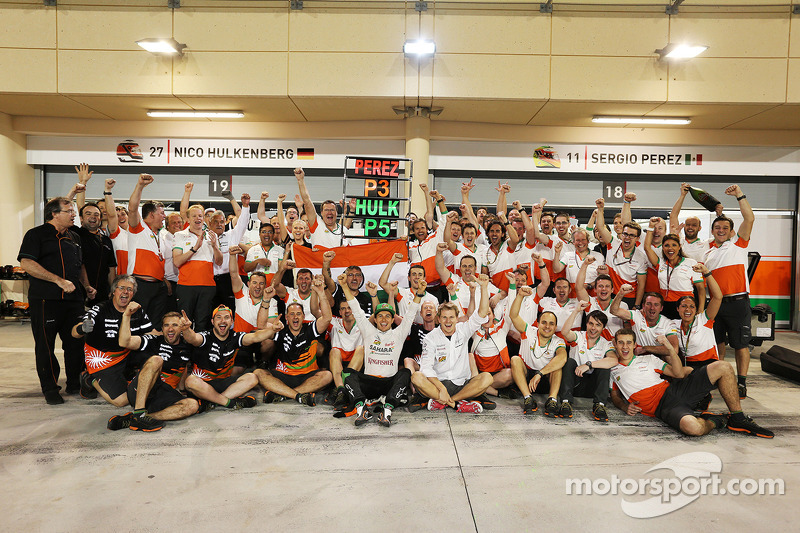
[58, 253]
[98, 257]
[363, 298]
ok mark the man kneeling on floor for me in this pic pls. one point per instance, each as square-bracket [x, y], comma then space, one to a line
[382, 348]
[163, 401]
[444, 371]
[211, 379]
[106, 359]
[295, 374]
[638, 388]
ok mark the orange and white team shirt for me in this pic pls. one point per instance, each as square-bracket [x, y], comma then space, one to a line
[522, 259]
[562, 312]
[292, 296]
[535, 354]
[479, 253]
[728, 264]
[246, 319]
[322, 237]
[345, 340]
[144, 252]
[614, 323]
[405, 297]
[640, 381]
[119, 239]
[499, 264]
[695, 249]
[462, 295]
[199, 269]
[572, 264]
[675, 283]
[490, 346]
[647, 335]
[625, 269]
[652, 271]
[582, 353]
[274, 253]
[699, 343]
[424, 253]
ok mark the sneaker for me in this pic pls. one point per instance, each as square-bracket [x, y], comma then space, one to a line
[748, 426]
[375, 402]
[551, 407]
[308, 398]
[742, 391]
[330, 397]
[417, 403]
[87, 389]
[242, 402]
[529, 405]
[719, 420]
[119, 421]
[53, 397]
[205, 405]
[599, 412]
[145, 422]
[469, 407]
[486, 403]
[565, 410]
[339, 400]
[364, 417]
[384, 419]
[271, 397]
[703, 404]
[434, 405]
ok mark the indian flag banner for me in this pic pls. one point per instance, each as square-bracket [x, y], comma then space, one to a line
[372, 258]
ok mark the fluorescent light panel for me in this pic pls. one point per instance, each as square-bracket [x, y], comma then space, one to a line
[162, 46]
[641, 120]
[163, 113]
[685, 51]
[419, 48]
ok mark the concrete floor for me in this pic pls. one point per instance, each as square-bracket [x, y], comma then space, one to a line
[285, 467]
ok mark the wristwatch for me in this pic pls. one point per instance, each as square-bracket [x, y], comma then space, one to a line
[589, 364]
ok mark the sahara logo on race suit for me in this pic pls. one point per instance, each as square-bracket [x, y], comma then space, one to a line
[128, 151]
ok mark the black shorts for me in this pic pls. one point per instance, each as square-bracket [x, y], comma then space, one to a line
[543, 387]
[682, 395]
[732, 323]
[221, 384]
[292, 381]
[161, 395]
[451, 387]
[112, 380]
[246, 356]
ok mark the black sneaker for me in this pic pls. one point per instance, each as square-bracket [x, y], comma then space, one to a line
[742, 391]
[330, 398]
[509, 393]
[87, 390]
[384, 419]
[551, 407]
[364, 417]
[242, 402]
[271, 397]
[417, 403]
[308, 398]
[53, 397]
[703, 404]
[145, 422]
[719, 420]
[565, 410]
[748, 426]
[529, 405]
[599, 412]
[487, 404]
[119, 421]
[73, 390]
[205, 405]
[341, 400]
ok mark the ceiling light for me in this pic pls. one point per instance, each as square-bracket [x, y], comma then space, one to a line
[680, 51]
[641, 120]
[162, 46]
[419, 48]
[163, 113]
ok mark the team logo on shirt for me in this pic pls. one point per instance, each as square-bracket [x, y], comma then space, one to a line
[97, 359]
[442, 359]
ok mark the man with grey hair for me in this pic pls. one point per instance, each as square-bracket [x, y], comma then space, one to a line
[51, 255]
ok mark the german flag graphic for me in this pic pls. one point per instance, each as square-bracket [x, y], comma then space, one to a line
[305, 153]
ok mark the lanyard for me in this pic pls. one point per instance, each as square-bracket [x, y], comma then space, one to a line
[685, 342]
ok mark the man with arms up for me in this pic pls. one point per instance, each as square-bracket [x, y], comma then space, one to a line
[648, 323]
[381, 357]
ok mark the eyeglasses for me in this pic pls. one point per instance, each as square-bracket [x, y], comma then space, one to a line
[631, 235]
[125, 289]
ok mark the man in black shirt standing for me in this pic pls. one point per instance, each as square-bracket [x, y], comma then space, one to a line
[98, 253]
[51, 255]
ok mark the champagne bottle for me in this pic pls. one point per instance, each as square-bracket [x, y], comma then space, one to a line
[703, 198]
